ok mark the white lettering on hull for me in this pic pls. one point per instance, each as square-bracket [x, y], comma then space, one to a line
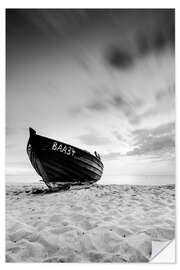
[67, 150]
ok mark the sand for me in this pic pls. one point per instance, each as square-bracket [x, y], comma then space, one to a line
[110, 223]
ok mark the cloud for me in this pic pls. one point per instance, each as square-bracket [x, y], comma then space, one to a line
[116, 101]
[161, 33]
[129, 109]
[149, 112]
[160, 95]
[143, 45]
[120, 59]
[158, 131]
[123, 138]
[92, 139]
[113, 101]
[168, 93]
[50, 22]
[152, 43]
[168, 26]
[159, 140]
[119, 136]
[97, 106]
[164, 103]
[124, 106]
[159, 41]
[156, 143]
[111, 156]
[94, 106]
[152, 145]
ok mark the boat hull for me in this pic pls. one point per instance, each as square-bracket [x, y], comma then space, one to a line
[62, 164]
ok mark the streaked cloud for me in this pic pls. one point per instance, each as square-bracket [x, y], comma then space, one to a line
[119, 136]
[127, 107]
[152, 141]
[97, 106]
[92, 139]
[158, 131]
[124, 106]
[160, 35]
[101, 78]
[167, 93]
[120, 59]
[111, 156]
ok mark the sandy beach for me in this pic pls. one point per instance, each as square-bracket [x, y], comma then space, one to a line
[110, 223]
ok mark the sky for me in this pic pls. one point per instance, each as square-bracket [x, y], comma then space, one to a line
[101, 80]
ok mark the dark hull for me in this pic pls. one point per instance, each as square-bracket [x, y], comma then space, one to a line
[62, 164]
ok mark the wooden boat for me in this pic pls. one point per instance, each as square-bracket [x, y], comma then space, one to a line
[62, 165]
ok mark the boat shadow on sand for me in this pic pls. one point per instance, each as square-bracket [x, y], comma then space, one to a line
[42, 190]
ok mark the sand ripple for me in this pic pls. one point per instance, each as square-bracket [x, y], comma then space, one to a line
[100, 224]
